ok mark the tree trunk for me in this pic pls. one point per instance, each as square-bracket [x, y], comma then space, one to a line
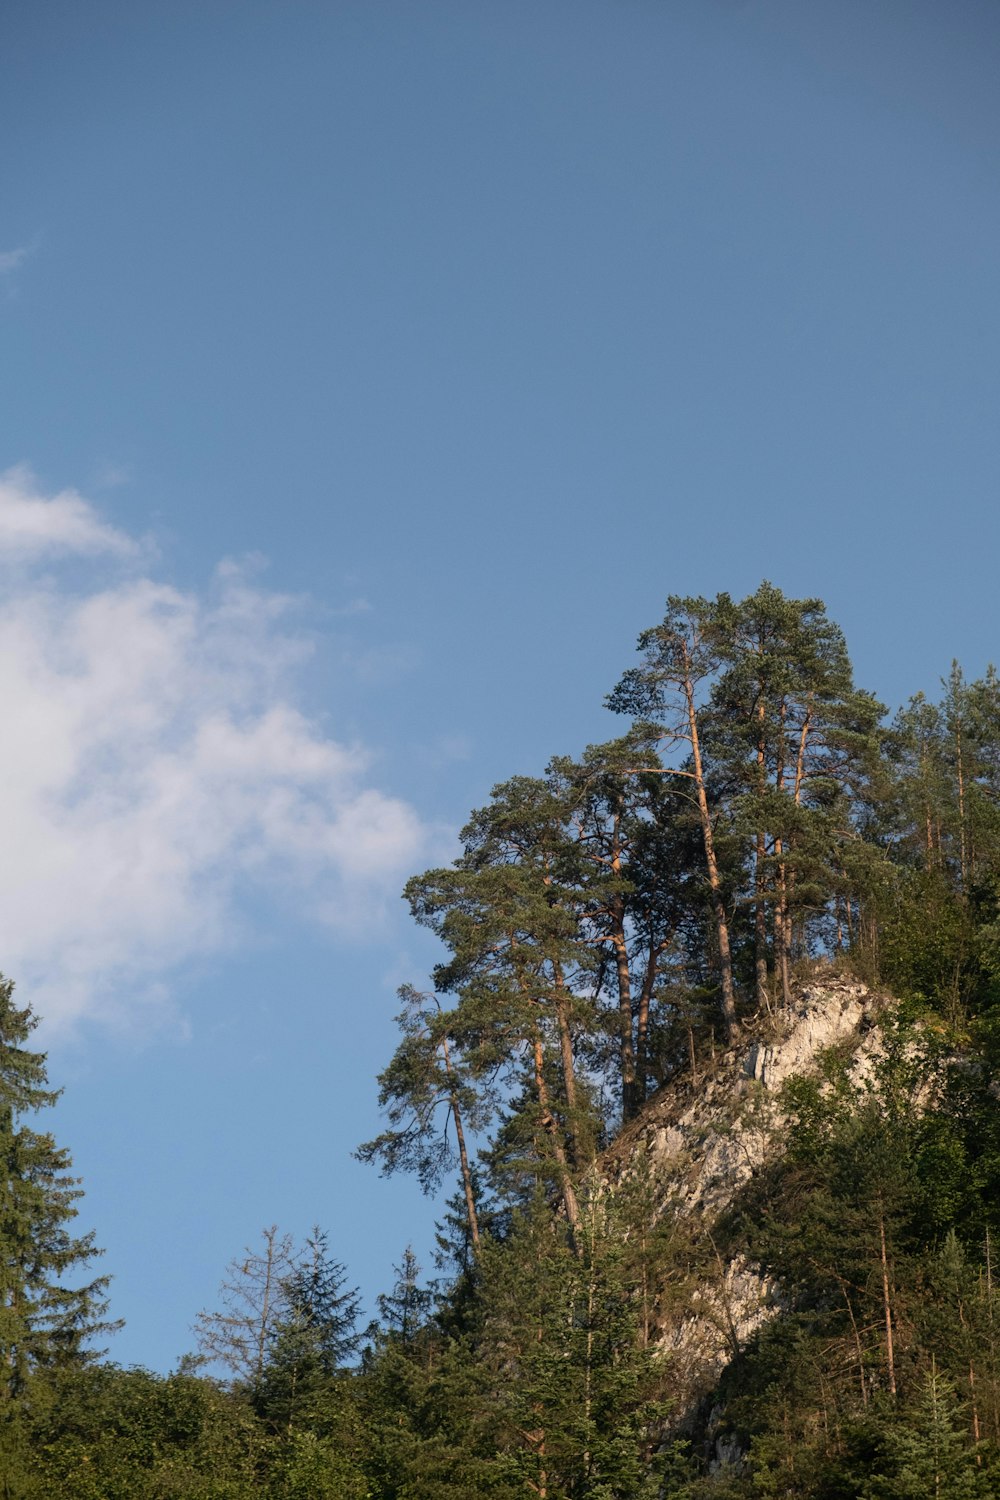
[642, 1019]
[890, 1357]
[714, 881]
[760, 923]
[568, 1066]
[463, 1155]
[627, 1052]
[781, 912]
[789, 945]
[959, 769]
[781, 926]
[551, 1126]
[630, 1094]
[760, 872]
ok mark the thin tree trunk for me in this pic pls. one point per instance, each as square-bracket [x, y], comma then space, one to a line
[780, 926]
[692, 1055]
[993, 1348]
[567, 1063]
[800, 775]
[551, 1127]
[630, 1100]
[588, 1370]
[463, 1155]
[760, 872]
[565, 1048]
[887, 1308]
[780, 922]
[642, 1019]
[956, 690]
[627, 1052]
[264, 1326]
[760, 922]
[963, 857]
[711, 863]
[972, 1390]
[855, 1331]
[857, 1347]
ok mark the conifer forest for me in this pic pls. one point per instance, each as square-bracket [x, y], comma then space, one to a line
[706, 1089]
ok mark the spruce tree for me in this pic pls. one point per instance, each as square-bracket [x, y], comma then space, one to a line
[404, 1310]
[313, 1336]
[929, 1456]
[46, 1317]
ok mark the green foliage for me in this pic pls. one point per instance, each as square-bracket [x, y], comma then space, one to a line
[605, 925]
[111, 1434]
[925, 1453]
[579, 1398]
[310, 1467]
[44, 1318]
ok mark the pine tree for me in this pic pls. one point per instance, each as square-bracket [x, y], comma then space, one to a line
[792, 743]
[626, 859]
[427, 1096]
[665, 695]
[45, 1319]
[512, 925]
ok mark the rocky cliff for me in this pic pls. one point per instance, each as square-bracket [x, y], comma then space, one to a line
[700, 1140]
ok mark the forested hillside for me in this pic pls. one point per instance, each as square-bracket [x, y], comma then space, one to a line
[709, 1068]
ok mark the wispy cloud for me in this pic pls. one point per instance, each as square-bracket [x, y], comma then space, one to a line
[359, 606]
[157, 773]
[10, 260]
[35, 526]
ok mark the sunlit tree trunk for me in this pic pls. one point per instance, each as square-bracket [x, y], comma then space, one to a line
[890, 1357]
[781, 912]
[711, 863]
[551, 1127]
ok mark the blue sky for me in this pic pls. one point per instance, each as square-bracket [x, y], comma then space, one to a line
[371, 373]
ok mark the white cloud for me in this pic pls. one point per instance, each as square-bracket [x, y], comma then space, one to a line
[156, 773]
[33, 527]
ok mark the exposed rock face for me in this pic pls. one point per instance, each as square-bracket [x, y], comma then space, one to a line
[701, 1140]
[705, 1139]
